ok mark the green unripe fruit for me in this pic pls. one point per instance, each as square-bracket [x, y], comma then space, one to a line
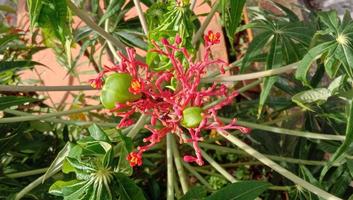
[192, 117]
[116, 90]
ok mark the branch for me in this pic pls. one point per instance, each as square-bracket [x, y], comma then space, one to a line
[23, 88]
[170, 168]
[289, 175]
[141, 16]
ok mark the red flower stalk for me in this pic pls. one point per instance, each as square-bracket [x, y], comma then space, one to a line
[173, 98]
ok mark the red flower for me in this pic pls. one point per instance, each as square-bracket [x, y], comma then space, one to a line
[212, 38]
[135, 158]
[135, 87]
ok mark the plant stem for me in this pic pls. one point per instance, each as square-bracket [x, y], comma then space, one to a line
[110, 45]
[249, 76]
[179, 167]
[62, 121]
[289, 175]
[204, 25]
[23, 88]
[141, 16]
[49, 115]
[240, 90]
[85, 18]
[231, 66]
[138, 126]
[197, 175]
[193, 4]
[288, 131]
[170, 168]
[218, 167]
[273, 157]
[34, 184]
[26, 173]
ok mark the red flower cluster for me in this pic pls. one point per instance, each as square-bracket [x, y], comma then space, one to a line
[167, 104]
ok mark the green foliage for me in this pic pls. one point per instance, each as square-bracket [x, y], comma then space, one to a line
[98, 174]
[332, 46]
[231, 16]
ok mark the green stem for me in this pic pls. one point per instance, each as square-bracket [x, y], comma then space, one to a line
[34, 184]
[23, 88]
[141, 16]
[240, 90]
[49, 115]
[231, 66]
[254, 75]
[62, 121]
[85, 18]
[204, 25]
[179, 167]
[218, 167]
[276, 167]
[197, 175]
[27, 173]
[138, 126]
[288, 131]
[170, 168]
[273, 157]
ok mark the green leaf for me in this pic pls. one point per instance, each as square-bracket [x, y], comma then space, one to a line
[8, 101]
[195, 193]
[244, 190]
[124, 148]
[57, 188]
[127, 189]
[274, 59]
[330, 19]
[231, 13]
[255, 46]
[35, 7]
[56, 165]
[317, 95]
[4, 40]
[15, 65]
[340, 152]
[97, 133]
[309, 58]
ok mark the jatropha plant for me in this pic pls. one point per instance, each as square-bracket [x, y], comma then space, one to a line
[173, 98]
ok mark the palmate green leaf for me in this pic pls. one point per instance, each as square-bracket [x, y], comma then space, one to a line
[113, 8]
[8, 101]
[255, 47]
[309, 58]
[127, 189]
[330, 19]
[340, 152]
[231, 13]
[243, 190]
[57, 188]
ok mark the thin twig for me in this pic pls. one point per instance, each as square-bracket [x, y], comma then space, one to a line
[170, 169]
[193, 4]
[85, 18]
[179, 167]
[23, 88]
[138, 126]
[141, 16]
[284, 131]
[49, 115]
[276, 167]
[249, 76]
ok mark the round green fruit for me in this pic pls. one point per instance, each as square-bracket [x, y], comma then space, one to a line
[192, 117]
[116, 90]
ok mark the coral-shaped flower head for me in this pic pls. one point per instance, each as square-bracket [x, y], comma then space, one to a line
[173, 98]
